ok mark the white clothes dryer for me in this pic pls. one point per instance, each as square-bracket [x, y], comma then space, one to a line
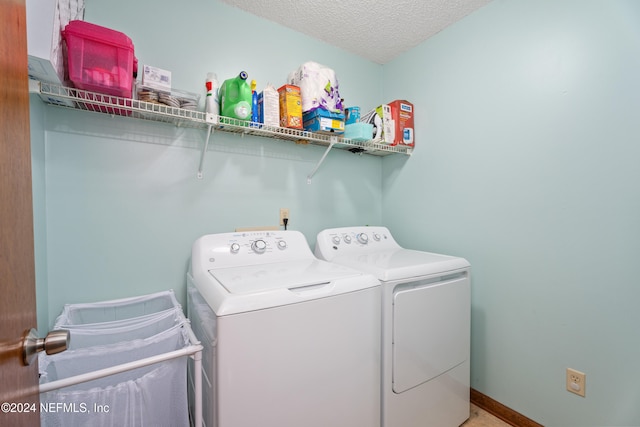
[289, 340]
[426, 324]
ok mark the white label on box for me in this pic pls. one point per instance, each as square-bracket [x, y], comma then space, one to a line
[329, 124]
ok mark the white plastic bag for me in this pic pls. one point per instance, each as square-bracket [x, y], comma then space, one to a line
[148, 396]
[318, 87]
[119, 309]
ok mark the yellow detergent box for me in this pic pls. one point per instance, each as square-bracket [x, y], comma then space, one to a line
[290, 107]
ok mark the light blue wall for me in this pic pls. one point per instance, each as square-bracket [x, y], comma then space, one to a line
[119, 204]
[527, 165]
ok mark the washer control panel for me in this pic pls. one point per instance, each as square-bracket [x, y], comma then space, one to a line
[248, 248]
[352, 240]
[257, 243]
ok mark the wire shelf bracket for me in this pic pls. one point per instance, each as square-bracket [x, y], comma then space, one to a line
[334, 140]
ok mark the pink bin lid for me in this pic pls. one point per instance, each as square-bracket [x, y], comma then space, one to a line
[95, 32]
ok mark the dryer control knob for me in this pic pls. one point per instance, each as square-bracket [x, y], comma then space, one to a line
[376, 237]
[347, 239]
[336, 240]
[259, 246]
[235, 248]
[282, 244]
[363, 238]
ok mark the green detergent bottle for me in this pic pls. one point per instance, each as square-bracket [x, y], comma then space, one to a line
[235, 97]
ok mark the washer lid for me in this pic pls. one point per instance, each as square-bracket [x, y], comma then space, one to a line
[254, 287]
[280, 275]
[396, 264]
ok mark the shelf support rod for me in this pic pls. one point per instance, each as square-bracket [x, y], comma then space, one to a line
[334, 139]
[204, 150]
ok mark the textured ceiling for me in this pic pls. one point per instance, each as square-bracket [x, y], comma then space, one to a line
[378, 30]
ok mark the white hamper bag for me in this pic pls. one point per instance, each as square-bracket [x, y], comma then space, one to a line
[116, 310]
[95, 334]
[154, 395]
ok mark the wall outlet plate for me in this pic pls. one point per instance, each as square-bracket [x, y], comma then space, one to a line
[576, 382]
[284, 213]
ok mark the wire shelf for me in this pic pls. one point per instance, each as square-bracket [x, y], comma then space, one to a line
[106, 104]
[78, 99]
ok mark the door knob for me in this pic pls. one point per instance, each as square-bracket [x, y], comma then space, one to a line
[55, 342]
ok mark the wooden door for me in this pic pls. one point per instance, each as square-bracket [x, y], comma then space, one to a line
[18, 383]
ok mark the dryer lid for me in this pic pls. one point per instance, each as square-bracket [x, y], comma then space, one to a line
[397, 264]
[374, 250]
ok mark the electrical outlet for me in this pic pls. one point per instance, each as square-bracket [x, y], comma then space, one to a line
[284, 213]
[576, 382]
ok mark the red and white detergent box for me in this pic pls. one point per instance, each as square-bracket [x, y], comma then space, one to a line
[402, 115]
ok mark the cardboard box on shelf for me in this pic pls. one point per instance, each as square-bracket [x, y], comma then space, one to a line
[402, 115]
[290, 107]
[156, 78]
[323, 121]
[269, 106]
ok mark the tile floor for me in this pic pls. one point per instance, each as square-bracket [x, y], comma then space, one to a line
[481, 418]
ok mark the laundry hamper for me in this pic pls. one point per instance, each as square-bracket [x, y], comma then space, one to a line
[113, 310]
[126, 365]
[96, 334]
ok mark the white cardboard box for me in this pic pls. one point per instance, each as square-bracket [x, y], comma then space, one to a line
[156, 78]
[269, 106]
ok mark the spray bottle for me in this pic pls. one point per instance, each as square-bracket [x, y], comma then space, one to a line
[212, 104]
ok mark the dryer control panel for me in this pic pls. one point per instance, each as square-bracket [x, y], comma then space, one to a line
[353, 240]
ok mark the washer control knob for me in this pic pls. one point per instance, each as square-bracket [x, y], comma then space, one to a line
[363, 238]
[347, 239]
[336, 240]
[376, 237]
[235, 248]
[259, 246]
[282, 244]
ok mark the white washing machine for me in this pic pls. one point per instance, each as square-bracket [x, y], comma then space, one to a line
[426, 325]
[289, 340]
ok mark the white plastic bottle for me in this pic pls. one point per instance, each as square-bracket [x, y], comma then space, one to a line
[212, 103]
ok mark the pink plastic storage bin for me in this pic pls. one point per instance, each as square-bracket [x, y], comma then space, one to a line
[99, 59]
